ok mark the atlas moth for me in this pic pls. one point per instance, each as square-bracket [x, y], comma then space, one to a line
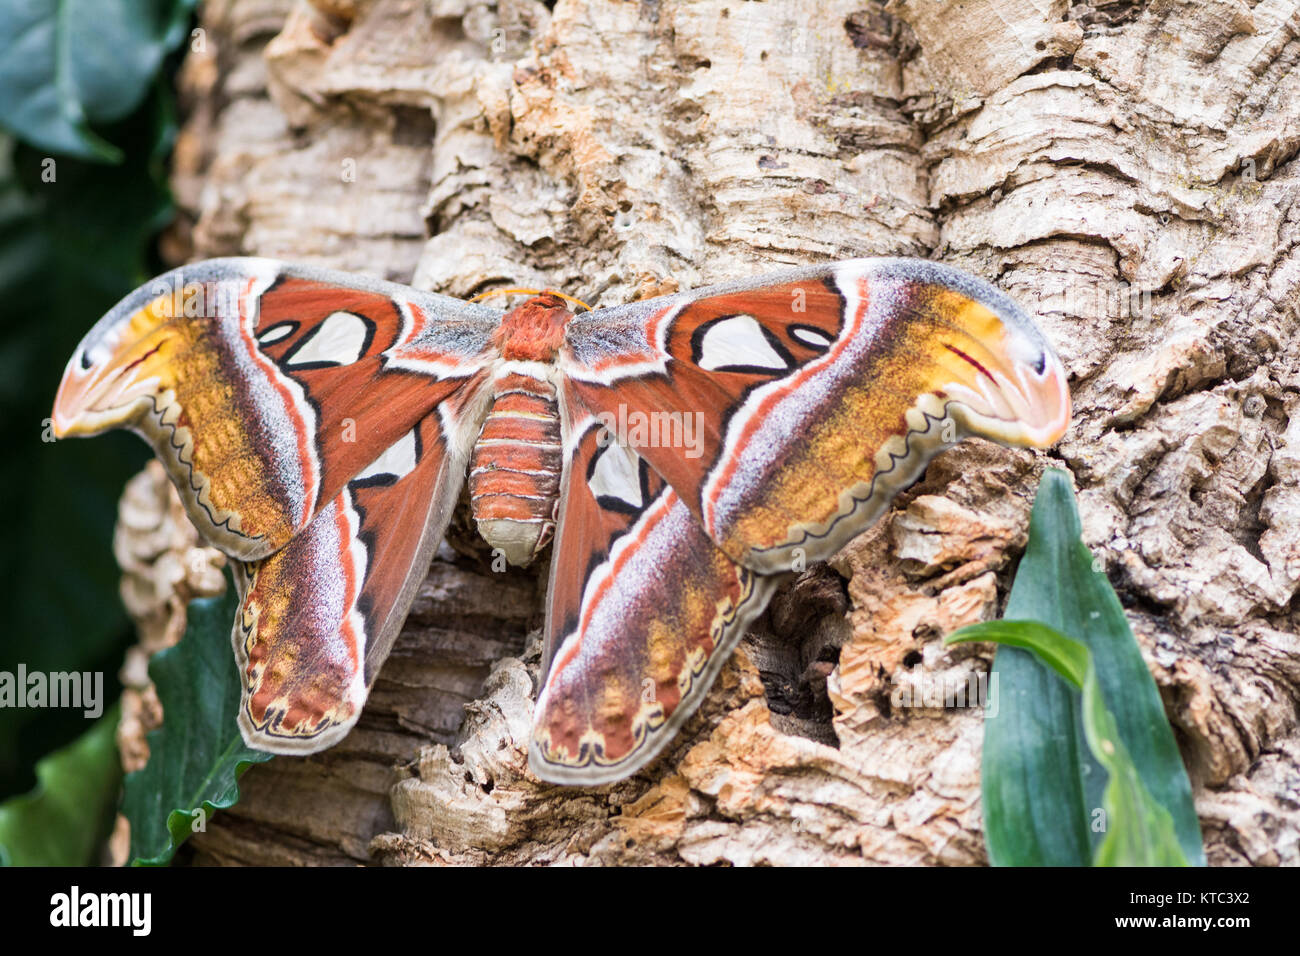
[685, 452]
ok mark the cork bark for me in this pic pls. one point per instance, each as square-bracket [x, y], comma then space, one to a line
[1125, 170]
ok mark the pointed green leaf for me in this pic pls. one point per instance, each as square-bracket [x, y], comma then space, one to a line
[64, 819]
[197, 757]
[1041, 784]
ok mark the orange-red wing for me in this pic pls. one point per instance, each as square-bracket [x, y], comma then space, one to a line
[642, 612]
[318, 617]
[787, 412]
[264, 388]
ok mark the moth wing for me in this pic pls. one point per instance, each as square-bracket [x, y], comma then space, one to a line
[318, 617]
[265, 387]
[316, 425]
[795, 406]
[642, 612]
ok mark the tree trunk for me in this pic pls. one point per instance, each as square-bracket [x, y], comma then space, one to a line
[1124, 170]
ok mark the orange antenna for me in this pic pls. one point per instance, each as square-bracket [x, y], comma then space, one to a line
[559, 295]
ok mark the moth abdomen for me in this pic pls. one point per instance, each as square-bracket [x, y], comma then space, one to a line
[514, 475]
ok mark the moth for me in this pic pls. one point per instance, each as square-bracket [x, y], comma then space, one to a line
[685, 453]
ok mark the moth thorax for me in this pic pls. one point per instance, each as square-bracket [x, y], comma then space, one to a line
[534, 331]
[514, 472]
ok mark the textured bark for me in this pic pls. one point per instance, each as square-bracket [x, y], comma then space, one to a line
[1125, 170]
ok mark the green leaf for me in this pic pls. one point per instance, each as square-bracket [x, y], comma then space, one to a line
[197, 757]
[1041, 784]
[1067, 657]
[65, 64]
[1139, 832]
[64, 819]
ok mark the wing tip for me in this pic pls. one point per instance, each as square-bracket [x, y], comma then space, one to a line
[1050, 401]
[291, 745]
[589, 773]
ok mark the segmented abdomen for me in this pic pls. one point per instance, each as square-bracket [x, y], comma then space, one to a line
[514, 472]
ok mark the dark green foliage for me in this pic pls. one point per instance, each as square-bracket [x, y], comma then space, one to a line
[75, 236]
[62, 821]
[197, 757]
[67, 64]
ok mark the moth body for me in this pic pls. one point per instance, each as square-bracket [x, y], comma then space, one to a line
[514, 469]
